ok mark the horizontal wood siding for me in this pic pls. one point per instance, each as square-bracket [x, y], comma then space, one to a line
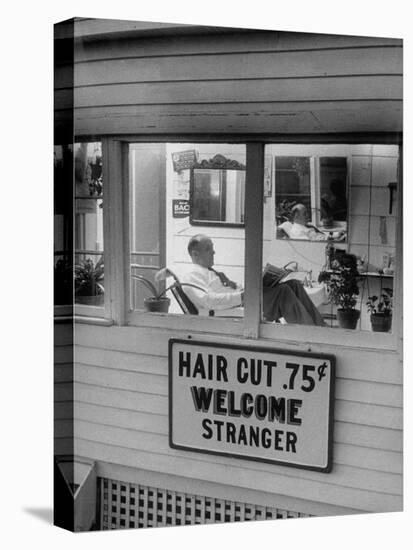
[239, 66]
[63, 388]
[121, 417]
[236, 82]
[230, 41]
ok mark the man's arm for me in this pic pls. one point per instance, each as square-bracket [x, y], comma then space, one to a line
[216, 296]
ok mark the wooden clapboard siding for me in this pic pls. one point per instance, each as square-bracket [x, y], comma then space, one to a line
[62, 410]
[344, 476]
[63, 372]
[237, 82]
[121, 416]
[347, 411]
[360, 477]
[348, 367]
[361, 392]
[147, 341]
[63, 388]
[239, 66]
[223, 42]
[364, 436]
[279, 485]
[278, 118]
[371, 88]
[98, 28]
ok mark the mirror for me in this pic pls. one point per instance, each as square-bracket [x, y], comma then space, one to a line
[311, 198]
[217, 192]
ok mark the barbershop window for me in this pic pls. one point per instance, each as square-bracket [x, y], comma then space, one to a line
[89, 280]
[178, 191]
[331, 209]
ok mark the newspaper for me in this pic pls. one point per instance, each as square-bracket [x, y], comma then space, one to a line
[273, 275]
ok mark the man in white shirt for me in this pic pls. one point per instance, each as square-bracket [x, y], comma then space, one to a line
[220, 292]
[287, 300]
[300, 229]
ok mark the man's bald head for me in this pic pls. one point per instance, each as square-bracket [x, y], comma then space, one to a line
[300, 214]
[201, 250]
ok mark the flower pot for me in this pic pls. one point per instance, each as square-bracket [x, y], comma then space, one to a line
[347, 318]
[159, 305]
[380, 322]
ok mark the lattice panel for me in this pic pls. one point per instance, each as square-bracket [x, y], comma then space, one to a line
[128, 506]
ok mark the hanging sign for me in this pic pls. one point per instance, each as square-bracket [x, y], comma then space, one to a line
[253, 403]
[180, 208]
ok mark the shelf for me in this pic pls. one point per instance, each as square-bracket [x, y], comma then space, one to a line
[376, 274]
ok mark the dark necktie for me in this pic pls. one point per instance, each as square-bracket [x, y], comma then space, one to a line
[223, 278]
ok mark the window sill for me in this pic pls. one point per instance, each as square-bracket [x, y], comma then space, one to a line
[81, 310]
[83, 319]
[307, 337]
[303, 336]
[232, 326]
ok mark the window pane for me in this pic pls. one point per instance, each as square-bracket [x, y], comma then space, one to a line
[333, 191]
[162, 224]
[316, 179]
[88, 234]
[292, 184]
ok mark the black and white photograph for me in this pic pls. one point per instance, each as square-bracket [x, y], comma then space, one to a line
[227, 288]
[234, 244]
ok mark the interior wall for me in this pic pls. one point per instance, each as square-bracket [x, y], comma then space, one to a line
[372, 229]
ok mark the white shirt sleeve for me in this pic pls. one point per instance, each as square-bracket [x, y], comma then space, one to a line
[216, 296]
[299, 231]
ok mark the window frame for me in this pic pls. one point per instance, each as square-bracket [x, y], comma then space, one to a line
[86, 311]
[117, 249]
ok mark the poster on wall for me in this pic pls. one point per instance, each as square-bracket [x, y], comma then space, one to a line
[253, 403]
[181, 185]
[180, 208]
[184, 160]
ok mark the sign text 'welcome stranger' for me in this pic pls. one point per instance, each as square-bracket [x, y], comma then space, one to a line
[253, 403]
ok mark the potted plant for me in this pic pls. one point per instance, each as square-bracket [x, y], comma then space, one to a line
[342, 288]
[158, 301]
[89, 278]
[380, 310]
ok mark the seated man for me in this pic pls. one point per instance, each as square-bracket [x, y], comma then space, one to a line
[286, 300]
[301, 229]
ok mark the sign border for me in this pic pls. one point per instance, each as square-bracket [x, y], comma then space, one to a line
[332, 358]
